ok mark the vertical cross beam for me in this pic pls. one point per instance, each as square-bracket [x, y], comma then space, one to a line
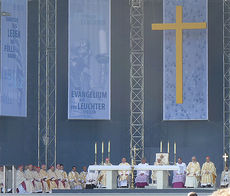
[179, 56]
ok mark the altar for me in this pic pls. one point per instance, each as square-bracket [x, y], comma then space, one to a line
[112, 173]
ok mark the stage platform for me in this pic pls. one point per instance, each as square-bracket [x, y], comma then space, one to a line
[135, 192]
[124, 192]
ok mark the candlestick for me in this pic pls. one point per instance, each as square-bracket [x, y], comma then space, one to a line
[102, 147]
[95, 156]
[109, 150]
[95, 147]
[109, 147]
[174, 147]
[161, 146]
[102, 153]
[168, 147]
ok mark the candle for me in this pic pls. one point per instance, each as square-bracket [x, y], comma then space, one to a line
[174, 147]
[109, 147]
[102, 147]
[95, 147]
[168, 147]
[161, 146]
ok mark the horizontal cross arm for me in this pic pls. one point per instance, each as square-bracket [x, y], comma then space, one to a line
[166, 26]
[202, 25]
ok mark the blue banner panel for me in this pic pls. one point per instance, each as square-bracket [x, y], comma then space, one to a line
[13, 99]
[89, 59]
[195, 63]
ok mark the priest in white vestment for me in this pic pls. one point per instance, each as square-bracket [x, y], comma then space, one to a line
[102, 175]
[83, 175]
[38, 188]
[1, 179]
[154, 175]
[52, 179]
[74, 179]
[29, 174]
[91, 179]
[192, 174]
[142, 178]
[64, 180]
[208, 173]
[22, 184]
[123, 176]
[179, 175]
[225, 178]
[44, 175]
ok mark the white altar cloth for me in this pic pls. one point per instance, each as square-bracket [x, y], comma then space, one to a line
[162, 171]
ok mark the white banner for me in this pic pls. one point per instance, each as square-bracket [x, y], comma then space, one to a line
[13, 83]
[89, 59]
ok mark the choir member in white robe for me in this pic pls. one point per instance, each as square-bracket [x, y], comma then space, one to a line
[1, 179]
[83, 175]
[123, 175]
[44, 175]
[208, 173]
[142, 178]
[192, 174]
[103, 174]
[91, 179]
[225, 178]
[52, 179]
[74, 179]
[179, 175]
[38, 188]
[22, 184]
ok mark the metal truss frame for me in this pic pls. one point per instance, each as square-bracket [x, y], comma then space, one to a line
[136, 80]
[47, 81]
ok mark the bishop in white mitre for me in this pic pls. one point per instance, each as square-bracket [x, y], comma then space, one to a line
[123, 175]
[179, 175]
[22, 184]
[74, 179]
[208, 173]
[225, 178]
[142, 178]
[192, 174]
[102, 175]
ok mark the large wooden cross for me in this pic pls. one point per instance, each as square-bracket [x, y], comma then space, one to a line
[179, 26]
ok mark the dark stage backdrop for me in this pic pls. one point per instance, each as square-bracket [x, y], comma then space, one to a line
[75, 138]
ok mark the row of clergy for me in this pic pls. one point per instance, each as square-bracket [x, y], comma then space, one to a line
[36, 179]
[186, 176]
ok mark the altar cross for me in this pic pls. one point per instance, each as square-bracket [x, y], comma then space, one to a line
[179, 26]
[225, 157]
